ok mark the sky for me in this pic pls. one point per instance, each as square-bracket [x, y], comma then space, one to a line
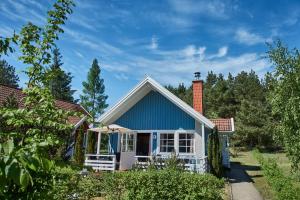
[168, 40]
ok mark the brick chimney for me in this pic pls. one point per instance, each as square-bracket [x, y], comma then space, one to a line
[198, 93]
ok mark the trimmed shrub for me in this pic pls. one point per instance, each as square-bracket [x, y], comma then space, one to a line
[161, 184]
[79, 154]
[281, 184]
[69, 184]
[215, 153]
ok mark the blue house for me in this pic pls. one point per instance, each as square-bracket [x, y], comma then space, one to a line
[151, 122]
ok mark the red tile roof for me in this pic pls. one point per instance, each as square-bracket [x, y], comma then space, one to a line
[224, 125]
[5, 91]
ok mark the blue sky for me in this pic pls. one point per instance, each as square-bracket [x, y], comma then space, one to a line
[166, 39]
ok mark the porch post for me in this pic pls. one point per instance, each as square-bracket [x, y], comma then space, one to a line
[203, 140]
[176, 142]
[99, 142]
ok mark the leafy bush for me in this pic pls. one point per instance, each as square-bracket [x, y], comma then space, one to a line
[161, 184]
[281, 184]
[69, 184]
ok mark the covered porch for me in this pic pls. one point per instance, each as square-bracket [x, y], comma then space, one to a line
[110, 160]
[127, 148]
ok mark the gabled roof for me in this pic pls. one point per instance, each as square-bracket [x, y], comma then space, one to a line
[224, 125]
[139, 92]
[5, 91]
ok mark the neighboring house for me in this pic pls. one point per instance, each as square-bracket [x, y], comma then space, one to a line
[158, 124]
[76, 121]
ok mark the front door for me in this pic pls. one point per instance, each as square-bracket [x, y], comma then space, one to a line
[143, 144]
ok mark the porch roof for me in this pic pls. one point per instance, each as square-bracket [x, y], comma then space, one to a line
[111, 129]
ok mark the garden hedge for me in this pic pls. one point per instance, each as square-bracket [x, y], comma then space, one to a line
[161, 184]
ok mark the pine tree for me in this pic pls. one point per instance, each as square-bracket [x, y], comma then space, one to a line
[215, 153]
[60, 82]
[94, 98]
[79, 154]
[8, 75]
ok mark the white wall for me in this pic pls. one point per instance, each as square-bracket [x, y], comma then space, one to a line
[199, 148]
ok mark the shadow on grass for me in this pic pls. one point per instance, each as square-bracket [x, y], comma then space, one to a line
[238, 174]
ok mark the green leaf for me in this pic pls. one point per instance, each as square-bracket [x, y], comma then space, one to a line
[8, 146]
[13, 171]
[24, 178]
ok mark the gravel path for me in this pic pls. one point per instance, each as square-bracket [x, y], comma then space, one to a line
[242, 187]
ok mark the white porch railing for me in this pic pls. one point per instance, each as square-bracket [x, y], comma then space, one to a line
[100, 162]
[192, 163]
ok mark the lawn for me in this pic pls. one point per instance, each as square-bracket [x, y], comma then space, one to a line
[247, 158]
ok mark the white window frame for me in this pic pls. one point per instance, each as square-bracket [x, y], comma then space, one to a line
[126, 142]
[174, 146]
[176, 141]
[192, 145]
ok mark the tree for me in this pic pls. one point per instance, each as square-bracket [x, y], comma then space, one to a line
[182, 92]
[94, 98]
[8, 75]
[285, 98]
[60, 81]
[252, 122]
[31, 131]
[79, 154]
[214, 154]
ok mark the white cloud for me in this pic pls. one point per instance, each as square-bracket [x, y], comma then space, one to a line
[154, 43]
[79, 54]
[92, 43]
[121, 77]
[172, 67]
[245, 37]
[221, 53]
[215, 9]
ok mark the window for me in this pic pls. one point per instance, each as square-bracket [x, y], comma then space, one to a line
[127, 142]
[186, 143]
[166, 142]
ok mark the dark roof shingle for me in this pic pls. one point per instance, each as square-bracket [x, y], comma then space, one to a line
[5, 91]
[224, 125]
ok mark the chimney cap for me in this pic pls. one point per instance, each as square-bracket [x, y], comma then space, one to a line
[197, 76]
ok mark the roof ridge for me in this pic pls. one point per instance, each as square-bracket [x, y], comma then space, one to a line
[21, 90]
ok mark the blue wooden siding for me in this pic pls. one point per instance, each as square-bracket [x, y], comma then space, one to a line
[154, 142]
[155, 112]
[113, 140]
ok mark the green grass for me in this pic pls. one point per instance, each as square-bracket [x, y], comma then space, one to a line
[259, 181]
[246, 158]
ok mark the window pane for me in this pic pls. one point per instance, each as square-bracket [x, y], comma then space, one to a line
[171, 136]
[182, 136]
[163, 149]
[163, 136]
[182, 143]
[182, 149]
[170, 142]
[130, 148]
[170, 149]
[186, 142]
